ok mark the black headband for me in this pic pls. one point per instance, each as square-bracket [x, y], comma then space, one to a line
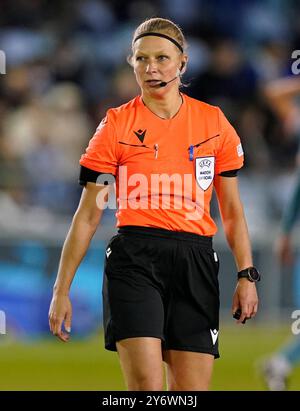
[150, 33]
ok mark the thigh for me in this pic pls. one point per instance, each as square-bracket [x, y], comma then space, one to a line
[141, 363]
[132, 302]
[192, 318]
[188, 371]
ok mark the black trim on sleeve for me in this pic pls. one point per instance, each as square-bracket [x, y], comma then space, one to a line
[229, 173]
[88, 175]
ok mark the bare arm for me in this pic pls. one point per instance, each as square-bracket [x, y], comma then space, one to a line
[84, 224]
[236, 231]
[233, 219]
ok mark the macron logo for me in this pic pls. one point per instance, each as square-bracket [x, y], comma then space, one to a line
[214, 335]
[108, 252]
[140, 135]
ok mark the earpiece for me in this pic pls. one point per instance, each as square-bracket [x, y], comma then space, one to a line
[182, 65]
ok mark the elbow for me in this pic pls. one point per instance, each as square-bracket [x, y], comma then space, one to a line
[89, 220]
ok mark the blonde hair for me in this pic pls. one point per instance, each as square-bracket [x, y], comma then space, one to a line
[160, 25]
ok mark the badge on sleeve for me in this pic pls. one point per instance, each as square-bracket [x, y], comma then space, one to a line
[240, 151]
[205, 171]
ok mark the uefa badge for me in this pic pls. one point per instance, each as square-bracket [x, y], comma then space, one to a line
[205, 171]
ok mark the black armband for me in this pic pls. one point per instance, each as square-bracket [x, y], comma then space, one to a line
[229, 173]
[87, 175]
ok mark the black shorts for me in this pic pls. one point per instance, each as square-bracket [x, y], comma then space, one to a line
[163, 284]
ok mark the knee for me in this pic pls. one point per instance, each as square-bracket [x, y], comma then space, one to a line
[145, 383]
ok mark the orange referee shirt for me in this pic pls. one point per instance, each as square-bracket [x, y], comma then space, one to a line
[164, 168]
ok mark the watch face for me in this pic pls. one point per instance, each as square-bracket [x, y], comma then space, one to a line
[254, 274]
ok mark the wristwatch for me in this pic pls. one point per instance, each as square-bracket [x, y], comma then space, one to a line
[251, 273]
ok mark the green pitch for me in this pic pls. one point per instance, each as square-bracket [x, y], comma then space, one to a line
[85, 365]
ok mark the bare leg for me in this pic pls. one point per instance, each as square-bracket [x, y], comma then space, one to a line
[188, 371]
[141, 363]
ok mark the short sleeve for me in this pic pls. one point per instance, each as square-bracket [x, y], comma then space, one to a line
[230, 155]
[100, 155]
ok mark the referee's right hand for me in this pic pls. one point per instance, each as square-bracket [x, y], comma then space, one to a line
[60, 311]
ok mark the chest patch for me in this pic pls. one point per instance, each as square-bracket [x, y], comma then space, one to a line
[205, 171]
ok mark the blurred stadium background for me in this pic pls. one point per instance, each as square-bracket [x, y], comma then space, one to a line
[65, 65]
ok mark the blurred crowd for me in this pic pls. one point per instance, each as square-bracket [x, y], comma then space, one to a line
[66, 64]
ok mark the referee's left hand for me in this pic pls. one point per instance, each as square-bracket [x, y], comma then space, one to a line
[245, 297]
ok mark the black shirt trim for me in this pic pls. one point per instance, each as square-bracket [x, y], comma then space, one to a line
[88, 175]
[229, 173]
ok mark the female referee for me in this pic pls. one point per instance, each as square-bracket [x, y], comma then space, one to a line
[167, 152]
